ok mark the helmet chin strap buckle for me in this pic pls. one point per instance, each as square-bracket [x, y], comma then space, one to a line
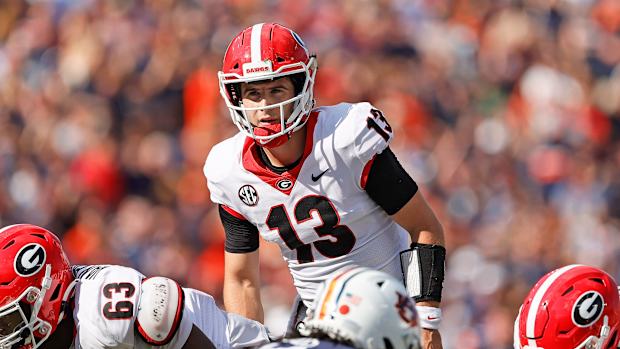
[47, 280]
[604, 332]
[46, 283]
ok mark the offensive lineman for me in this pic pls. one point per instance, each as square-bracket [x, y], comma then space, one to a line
[47, 303]
[573, 307]
[322, 183]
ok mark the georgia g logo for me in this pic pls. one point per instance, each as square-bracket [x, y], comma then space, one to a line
[284, 184]
[29, 260]
[588, 309]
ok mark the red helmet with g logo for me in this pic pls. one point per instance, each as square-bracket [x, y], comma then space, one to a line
[576, 306]
[268, 51]
[34, 278]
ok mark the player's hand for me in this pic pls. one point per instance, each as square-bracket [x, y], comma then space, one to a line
[431, 339]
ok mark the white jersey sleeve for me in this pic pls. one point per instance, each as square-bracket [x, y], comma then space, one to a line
[224, 330]
[104, 311]
[359, 136]
[371, 131]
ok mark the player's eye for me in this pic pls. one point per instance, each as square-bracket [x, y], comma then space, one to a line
[252, 94]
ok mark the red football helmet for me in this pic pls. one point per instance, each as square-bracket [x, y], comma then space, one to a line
[268, 51]
[576, 306]
[35, 278]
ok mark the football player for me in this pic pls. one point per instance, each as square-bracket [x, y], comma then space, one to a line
[45, 302]
[573, 307]
[359, 308]
[322, 183]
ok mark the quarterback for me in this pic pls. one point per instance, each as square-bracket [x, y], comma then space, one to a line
[47, 303]
[322, 183]
[573, 307]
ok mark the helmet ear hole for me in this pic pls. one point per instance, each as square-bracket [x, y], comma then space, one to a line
[298, 81]
[55, 293]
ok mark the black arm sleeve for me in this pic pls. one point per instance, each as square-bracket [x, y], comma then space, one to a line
[241, 235]
[388, 184]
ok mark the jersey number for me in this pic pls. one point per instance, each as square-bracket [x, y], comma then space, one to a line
[121, 309]
[373, 123]
[342, 237]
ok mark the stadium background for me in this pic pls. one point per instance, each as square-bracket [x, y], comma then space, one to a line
[507, 113]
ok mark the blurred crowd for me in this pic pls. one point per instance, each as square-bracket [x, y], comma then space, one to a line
[507, 115]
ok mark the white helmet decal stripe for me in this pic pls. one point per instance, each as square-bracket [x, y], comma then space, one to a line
[334, 288]
[255, 52]
[531, 314]
[9, 227]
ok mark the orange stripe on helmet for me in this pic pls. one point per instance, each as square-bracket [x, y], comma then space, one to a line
[330, 290]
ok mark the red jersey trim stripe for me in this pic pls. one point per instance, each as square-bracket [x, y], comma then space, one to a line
[233, 212]
[366, 171]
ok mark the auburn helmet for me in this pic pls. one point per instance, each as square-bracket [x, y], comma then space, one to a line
[367, 308]
[35, 277]
[575, 306]
[268, 51]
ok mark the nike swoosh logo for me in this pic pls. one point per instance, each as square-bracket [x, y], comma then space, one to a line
[316, 178]
[432, 318]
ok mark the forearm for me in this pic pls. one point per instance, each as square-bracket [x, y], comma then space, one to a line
[243, 297]
[424, 228]
[429, 236]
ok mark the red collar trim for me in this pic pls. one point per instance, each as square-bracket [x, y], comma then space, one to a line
[286, 181]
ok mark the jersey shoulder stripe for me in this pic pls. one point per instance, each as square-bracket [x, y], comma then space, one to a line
[86, 272]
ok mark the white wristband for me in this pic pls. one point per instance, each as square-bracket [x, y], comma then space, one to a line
[430, 317]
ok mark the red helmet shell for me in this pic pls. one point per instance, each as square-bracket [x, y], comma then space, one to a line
[262, 50]
[25, 251]
[568, 307]
[268, 51]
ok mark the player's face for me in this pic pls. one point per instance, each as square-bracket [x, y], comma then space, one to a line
[262, 93]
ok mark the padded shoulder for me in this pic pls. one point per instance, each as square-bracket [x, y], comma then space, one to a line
[361, 129]
[160, 310]
[221, 162]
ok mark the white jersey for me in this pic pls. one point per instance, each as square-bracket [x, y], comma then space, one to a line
[105, 311]
[305, 343]
[318, 213]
